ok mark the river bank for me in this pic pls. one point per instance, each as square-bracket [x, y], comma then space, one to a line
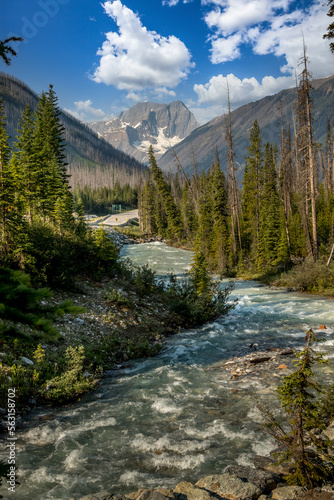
[177, 416]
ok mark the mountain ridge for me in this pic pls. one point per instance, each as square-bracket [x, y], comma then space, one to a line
[201, 145]
[147, 123]
[92, 160]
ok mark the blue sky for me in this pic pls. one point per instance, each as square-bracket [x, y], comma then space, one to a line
[104, 56]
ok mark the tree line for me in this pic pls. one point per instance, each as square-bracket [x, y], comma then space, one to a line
[101, 200]
[283, 212]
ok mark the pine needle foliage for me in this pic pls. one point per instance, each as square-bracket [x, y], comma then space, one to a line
[20, 304]
[302, 448]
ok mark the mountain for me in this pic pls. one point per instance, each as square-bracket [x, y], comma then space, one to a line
[92, 160]
[146, 123]
[200, 146]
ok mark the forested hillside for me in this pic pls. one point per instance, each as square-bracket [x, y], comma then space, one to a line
[200, 145]
[92, 161]
[283, 211]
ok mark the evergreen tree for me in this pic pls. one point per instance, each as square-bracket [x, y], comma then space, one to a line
[188, 212]
[304, 450]
[175, 228]
[25, 164]
[10, 217]
[221, 237]
[6, 49]
[48, 143]
[269, 212]
[204, 235]
[330, 29]
[252, 191]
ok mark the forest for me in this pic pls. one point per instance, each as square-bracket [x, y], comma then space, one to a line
[282, 214]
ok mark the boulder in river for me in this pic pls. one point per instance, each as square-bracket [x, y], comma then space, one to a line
[104, 495]
[265, 480]
[150, 494]
[230, 487]
[187, 491]
[287, 493]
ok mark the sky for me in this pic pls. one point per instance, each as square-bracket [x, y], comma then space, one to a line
[102, 57]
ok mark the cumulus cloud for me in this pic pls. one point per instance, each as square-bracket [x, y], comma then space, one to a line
[284, 38]
[84, 111]
[226, 49]
[214, 93]
[235, 15]
[269, 28]
[135, 58]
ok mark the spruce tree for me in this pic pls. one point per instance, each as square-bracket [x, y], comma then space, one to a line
[10, 216]
[49, 145]
[221, 238]
[252, 191]
[270, 231]
[175, 228]
[25, 164]
[303, 449]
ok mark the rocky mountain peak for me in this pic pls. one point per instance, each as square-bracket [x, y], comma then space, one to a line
[148, 123]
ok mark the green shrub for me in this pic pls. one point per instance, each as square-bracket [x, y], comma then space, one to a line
[310, 276]
[72, 383]
[116, 297]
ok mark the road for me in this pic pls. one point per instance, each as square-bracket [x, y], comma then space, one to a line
[120, 219]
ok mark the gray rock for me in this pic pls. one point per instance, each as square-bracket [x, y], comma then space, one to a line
[268, 464]
[329, 432]
[80, 321]
[32, 402]
[265, 480]
[230, 487]
[287, 493]
[27, 361]
[187, 491]
[104, 495]
[152, 495]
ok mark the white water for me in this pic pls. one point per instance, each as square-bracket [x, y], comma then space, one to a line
[168, 418]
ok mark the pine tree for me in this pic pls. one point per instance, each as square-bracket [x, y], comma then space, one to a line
[304, 450]
[48, 143]
[221, 238]
[175, 228]
[204, 235]
[251, 194]
[25, 164]
[269, 212]
[10, 216]
[330, 29]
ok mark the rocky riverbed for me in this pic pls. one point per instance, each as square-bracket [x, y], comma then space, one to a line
[235, 483]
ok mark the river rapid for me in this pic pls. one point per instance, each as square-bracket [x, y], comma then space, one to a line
[170, 418]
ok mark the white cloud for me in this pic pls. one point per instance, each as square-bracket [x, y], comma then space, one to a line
[214, 93]
[84, 111]
[284, 38]
[269, 28]
[135, 58]
[226, 49]
[235, 15]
